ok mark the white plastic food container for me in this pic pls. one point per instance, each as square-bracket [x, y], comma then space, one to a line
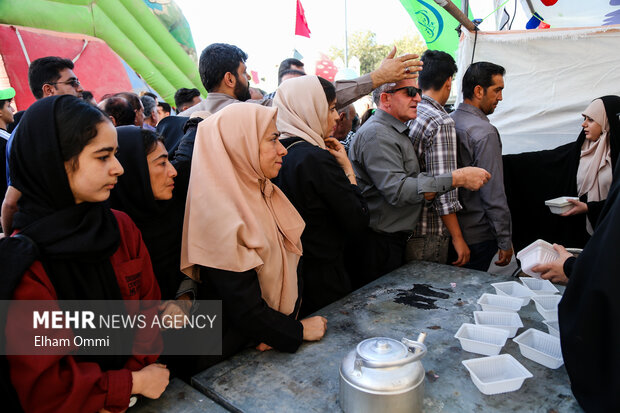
[560, 205]
[510, 322]
[492, 302]
[513, 289]
[538, 286]
[547, 306]
[481, 339]
[538, 252]
[540, 347]
[497, 374]
[553, 327]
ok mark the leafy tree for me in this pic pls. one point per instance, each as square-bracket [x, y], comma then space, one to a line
[363, 44]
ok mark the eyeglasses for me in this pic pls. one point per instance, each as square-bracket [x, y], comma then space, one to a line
[412, 91]
[72, 82]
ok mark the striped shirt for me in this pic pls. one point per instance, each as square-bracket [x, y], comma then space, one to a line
[434, 139]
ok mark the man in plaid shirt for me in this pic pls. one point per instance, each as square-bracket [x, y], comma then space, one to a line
[434, 139]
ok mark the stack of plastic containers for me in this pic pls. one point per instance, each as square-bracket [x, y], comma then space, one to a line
[499, 320]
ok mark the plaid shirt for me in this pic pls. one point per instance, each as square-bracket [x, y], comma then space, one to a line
[434, 139]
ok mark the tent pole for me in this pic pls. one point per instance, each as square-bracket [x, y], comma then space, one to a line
[346, 38]
[457, 14]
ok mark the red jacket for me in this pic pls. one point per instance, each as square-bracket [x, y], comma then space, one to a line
[49, 383]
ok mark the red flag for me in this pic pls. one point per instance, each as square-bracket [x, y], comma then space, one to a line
[301, 25]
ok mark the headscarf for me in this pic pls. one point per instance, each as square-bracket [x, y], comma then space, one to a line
[160, 222]
[302, 110]
[74, 241]
[235, 218]
[595, 171]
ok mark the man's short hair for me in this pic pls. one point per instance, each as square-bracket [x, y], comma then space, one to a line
[151, 94]
[4, 102]
[480, 73]
[286, 65]
[164, 106]
[184, 95]
[287, 72]
[376, 94]
[120, 109]
[149, 104]
[132, 98]
[218, 59]
[46, 70]
[438, 68]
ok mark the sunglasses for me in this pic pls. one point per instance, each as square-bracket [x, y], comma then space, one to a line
[72, 82]
[412, 91]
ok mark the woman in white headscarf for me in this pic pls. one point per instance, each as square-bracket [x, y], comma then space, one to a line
[599, 153]
[318, 178]
[241, 235]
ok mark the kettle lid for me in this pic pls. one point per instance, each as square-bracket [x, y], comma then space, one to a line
[382, 349]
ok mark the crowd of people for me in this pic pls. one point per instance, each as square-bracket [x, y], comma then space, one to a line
[278, 205]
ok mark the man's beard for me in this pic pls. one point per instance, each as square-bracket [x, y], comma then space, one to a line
[242, 92]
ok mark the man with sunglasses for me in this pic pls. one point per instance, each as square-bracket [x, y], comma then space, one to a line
[388, 174]
[47, 76]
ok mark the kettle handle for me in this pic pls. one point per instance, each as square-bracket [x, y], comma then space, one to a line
[417, 348]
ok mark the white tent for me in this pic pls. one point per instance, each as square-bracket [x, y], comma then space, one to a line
[551, 77]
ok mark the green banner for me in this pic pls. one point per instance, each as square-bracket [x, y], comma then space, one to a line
[435, 24]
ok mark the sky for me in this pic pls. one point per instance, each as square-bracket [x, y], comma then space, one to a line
[265, 29]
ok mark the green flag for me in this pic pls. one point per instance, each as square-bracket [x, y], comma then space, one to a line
[435, 24]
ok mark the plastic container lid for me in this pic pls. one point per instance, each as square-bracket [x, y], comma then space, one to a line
[513, 289]
[540, 347]
[492, 302]
[510, 322]
[547, 306]
[538, 252]
[497, 374]
[553, 327]
[538, 286]
[481, 339]
[561, 201]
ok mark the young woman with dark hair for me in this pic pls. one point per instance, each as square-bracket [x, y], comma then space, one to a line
[70, 246]
[318, 178]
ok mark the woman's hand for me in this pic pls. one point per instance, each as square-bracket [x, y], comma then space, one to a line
[263, 347]
[337, 150]
[554, 271]
[314, 328]
[151, 381]
[578, 208]
[175, 311]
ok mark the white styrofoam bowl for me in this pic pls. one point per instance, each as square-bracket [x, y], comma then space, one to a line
[538, 286]
[538, 252]
[540, 347]
[513, 289]
[510, 322]
[553, 327]
[560, 205]
[492, 302]
[497, 374]
[547, 306]
[481, 339]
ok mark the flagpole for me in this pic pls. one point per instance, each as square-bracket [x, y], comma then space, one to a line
[346, 39]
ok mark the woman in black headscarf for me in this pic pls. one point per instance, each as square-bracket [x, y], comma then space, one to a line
[71, 246]
[531, 178]
[145, 193]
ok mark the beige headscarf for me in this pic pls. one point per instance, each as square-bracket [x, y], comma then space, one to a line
[235, 218]
[595, 172]
[302, 109]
